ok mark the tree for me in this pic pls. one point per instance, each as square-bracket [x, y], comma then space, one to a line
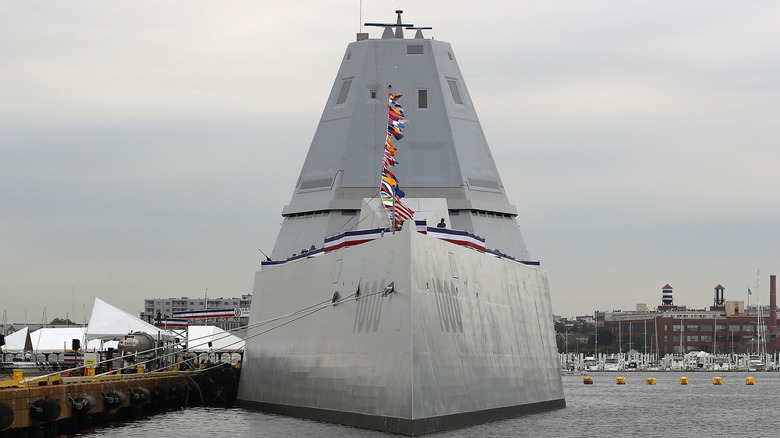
[605, 338]
[60, 321]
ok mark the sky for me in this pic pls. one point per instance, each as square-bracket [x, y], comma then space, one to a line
[147, 148]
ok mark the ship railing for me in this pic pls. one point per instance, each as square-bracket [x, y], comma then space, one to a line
[358, 237]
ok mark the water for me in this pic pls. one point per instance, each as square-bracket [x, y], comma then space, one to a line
[604, 408]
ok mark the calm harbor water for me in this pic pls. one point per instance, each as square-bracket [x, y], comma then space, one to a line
[604, 408]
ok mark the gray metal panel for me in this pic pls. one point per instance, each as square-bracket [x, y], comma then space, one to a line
[350, 357]
[466, 337]
[438, 346]
[444, 152]
[499, 231]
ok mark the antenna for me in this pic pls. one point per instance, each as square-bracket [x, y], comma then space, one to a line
[399, 33]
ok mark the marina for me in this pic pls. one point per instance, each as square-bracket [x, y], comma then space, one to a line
[692, 361]
[604, 408]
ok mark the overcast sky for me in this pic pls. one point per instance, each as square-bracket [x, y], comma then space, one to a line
[147, 147]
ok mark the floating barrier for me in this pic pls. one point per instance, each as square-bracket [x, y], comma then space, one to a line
[620, 380]
[6, 416]
[45, 410]
[651, 380]
[717, 380]
[86, 404]
[683, 380]
[587, 380]
[140, 396]
[750, 381]
[113, 399]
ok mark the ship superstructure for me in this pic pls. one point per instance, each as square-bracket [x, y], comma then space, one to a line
[409, 331]
[444, 151]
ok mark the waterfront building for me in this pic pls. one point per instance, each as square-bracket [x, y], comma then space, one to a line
[156, 308]
[726, 327]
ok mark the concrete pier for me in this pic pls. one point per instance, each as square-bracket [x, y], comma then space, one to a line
[51, 405]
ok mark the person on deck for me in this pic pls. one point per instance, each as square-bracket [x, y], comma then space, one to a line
[442, 224]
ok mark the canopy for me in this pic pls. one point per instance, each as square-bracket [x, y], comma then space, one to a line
[16, 341]
[199, 336]
[109, 322]
[56, 339]
[100, 345]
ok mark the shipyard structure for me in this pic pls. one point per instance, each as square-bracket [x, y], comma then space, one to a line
[724, 327]
[399, 295]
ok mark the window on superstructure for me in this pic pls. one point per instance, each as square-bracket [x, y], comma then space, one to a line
[422, 99]
[415, 49]
[455, 91]
[372, 93]
[345, 84]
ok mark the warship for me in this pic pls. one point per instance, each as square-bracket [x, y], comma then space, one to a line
[399, 295]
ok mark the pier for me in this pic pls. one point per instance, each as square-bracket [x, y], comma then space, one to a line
[53, 404]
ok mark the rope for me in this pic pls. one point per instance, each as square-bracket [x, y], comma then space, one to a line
[353, 216]
[296, 315]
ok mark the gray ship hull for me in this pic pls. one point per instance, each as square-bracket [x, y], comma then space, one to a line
[464, 338]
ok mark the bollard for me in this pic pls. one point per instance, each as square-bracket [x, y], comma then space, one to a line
[717, 380]
[683, 380]
[620, 380]
[750, 381]
[587, 380]
[651, 380]
[140, 369]
[18, 374]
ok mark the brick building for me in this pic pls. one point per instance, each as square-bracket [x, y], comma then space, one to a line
[723, 328]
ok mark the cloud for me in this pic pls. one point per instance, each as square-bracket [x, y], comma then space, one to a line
[148, 148]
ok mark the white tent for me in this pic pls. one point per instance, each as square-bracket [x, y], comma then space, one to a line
[14, 343]
[109, 322]
[199, 336]
[46, 340]
[100, 345]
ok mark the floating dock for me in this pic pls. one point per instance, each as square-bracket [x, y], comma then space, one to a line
[50, 405]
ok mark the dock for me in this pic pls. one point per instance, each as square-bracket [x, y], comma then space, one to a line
[53, 404]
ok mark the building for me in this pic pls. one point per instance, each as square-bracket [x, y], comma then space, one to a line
[157, 308]
[723, 328]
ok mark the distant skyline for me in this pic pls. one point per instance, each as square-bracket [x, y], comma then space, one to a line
[147, 148]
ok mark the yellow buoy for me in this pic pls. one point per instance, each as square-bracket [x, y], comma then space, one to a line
[620, 380]
[651, 380]
[683, 380]
[750, 381]
[717, 380]
[587, 380]
[140, 369]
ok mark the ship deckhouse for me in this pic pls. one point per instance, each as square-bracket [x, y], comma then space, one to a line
[444, 152]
